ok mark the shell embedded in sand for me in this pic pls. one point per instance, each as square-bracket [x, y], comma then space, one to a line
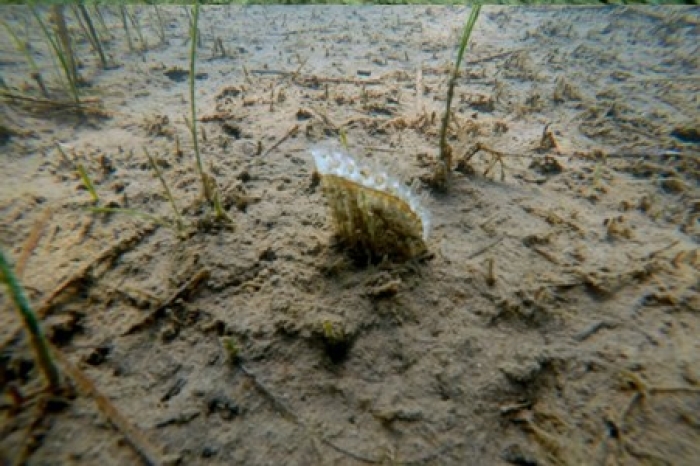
[374, 212]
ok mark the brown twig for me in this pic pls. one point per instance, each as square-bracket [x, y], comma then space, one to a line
[302, 80]
[355, 456]
[47, 304]
[181, 292]
[497, 157]
[474, 61]
[30, 435]
[145, 449]
[548, 141]
[547, 255]
[31, 242]
[484, 249]
[643, 391]
[292, 131]
[279, 406]
[86, 105]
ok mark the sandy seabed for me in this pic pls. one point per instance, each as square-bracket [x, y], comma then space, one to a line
[555, 320]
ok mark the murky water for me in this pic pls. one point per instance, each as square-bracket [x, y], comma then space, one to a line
[560, 281]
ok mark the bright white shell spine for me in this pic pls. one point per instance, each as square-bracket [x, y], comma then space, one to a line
[335, 161]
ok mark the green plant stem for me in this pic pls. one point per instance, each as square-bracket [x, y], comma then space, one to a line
[80, 168]
[88, 182]
[66, 44]
[71, 85]
[161, 25]
[473, 15]
[193, 106]
[344, 139]
[38, 341]
[122, 12]
[137, 26]
[178, 217]
[132, 212]
[92, 34]
[22, 47]
[101, 20]
[219, 208]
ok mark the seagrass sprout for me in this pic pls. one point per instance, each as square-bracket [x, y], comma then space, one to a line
[375, 214]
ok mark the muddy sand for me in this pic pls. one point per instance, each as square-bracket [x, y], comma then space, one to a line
[555, 319]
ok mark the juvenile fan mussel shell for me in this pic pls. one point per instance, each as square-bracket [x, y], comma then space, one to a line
[374, 214]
